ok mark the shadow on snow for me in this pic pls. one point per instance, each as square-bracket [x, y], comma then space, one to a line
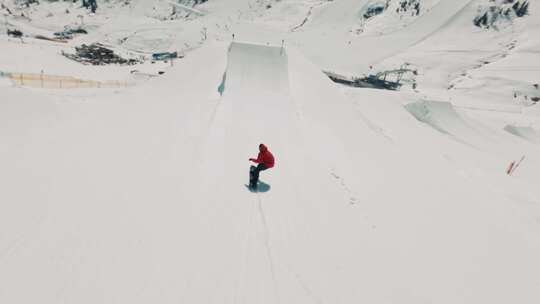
[262, 187]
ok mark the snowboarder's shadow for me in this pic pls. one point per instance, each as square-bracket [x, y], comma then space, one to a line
[263, 187]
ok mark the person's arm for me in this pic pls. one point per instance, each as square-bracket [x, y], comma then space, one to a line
[257, 160]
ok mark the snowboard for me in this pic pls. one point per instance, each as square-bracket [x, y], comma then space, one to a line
[252, 181]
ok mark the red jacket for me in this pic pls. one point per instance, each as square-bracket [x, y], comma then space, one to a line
[265, 157]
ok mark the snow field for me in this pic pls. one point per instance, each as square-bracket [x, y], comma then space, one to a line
[137, 195]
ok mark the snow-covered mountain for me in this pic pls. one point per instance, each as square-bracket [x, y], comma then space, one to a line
[126, 183]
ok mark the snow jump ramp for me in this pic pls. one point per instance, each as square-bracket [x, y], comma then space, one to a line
[268, 252]
[440, 115]
[443, 117]
[255, 108]
[526, 133]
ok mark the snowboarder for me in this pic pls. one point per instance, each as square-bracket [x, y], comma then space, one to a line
[265, 160]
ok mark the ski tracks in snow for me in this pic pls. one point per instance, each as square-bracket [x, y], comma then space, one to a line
[266, 237]
[245, 254]
[257, 211]
[352, 198]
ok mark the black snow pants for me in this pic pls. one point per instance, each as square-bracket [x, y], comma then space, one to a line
[257, 170]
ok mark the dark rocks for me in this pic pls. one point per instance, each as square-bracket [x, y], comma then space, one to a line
[97, 54]
[14, 33]
[505, 10]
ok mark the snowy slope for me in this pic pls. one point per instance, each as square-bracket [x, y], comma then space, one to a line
[330, 33]
[138, 195]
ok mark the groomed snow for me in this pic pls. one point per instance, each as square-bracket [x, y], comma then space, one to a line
[138, 195]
